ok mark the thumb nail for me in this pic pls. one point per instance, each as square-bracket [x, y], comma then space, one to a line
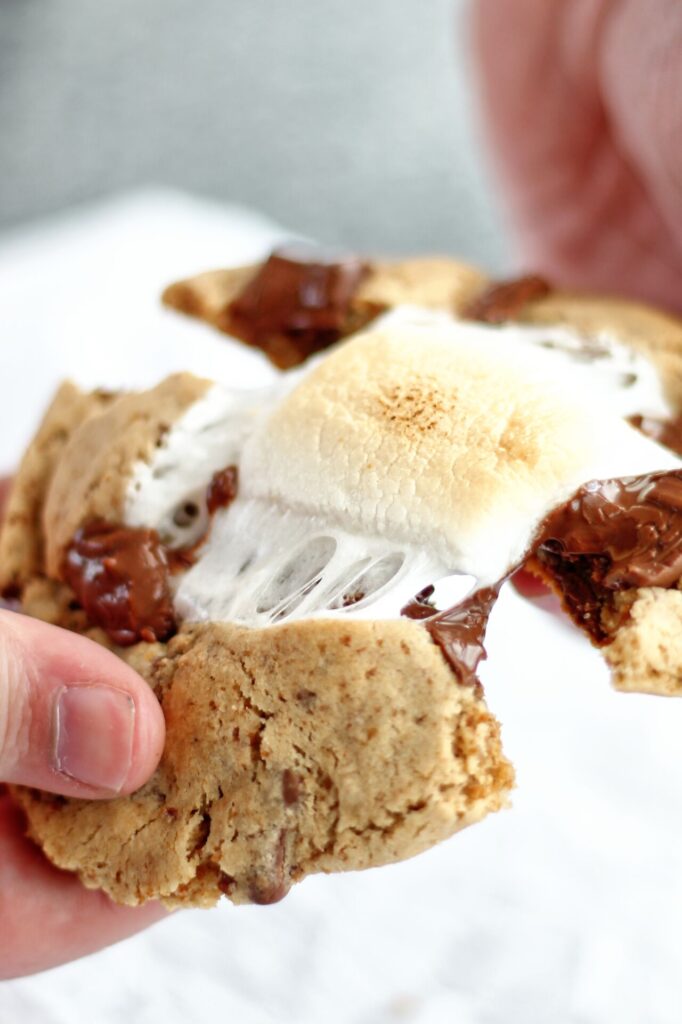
[94, 728]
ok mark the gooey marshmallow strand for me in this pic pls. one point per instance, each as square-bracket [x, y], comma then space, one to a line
[266, 562]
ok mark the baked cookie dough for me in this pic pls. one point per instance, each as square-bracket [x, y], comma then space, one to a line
[321, 558]
[304, 748]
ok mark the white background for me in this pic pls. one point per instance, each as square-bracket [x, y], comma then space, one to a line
[565, 908]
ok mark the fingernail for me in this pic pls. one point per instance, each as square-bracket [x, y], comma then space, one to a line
[94, 728]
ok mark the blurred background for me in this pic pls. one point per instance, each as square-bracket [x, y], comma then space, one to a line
[350, 122]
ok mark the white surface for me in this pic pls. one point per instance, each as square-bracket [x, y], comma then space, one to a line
[565, 908]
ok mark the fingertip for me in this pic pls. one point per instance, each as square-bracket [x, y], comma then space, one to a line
[149, 735]
[79, 721]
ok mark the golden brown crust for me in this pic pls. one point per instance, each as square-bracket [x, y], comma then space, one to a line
[437, 282]
[433, 281]
[207, 295]
[312, 746]
[90, 479]
[21, 538]
[645, 655]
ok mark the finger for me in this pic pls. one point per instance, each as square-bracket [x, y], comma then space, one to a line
[48, 918]
[560, 104]
[641, 80]
[74, 719]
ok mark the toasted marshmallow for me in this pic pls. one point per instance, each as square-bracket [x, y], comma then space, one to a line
[419, 449]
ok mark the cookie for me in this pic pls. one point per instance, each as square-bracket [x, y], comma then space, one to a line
[304, 574]
[313, 745]
[304, 748]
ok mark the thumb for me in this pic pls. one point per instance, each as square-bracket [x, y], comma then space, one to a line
[74, 718]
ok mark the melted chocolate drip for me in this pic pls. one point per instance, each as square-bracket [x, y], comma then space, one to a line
[506, 300]
[297, 303]
[420, 607]
[613, 535]
[666, 432]
[459, 631]
[120, 577]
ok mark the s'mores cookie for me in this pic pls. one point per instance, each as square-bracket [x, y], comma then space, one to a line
[304, 575]
[607, 334]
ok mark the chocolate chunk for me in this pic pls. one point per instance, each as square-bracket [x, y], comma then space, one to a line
[120, 577]
[613, 535]
[222, 489]
[291, 787]
[297, 303]
[666, 432]
[505, 300]
[271, 886]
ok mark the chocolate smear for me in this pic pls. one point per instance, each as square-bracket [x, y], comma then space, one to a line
[666, 432]
[459, 631]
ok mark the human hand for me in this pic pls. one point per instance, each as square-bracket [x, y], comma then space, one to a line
[584, 106]
[74, 720]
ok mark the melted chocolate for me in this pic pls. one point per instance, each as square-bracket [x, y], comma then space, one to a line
[222, 489]
[459, 631]
[120, 577]
[120, 574]
[297, 303]
[506, 300]
[666, 432]
[420, 606]
[613, 535]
